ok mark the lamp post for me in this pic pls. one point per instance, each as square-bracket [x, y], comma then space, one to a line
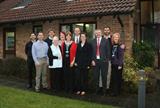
[141, 89]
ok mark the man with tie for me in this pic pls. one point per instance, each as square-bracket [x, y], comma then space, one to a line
[77, 32]
[100, 56]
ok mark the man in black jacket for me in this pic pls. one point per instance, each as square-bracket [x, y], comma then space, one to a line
[48, 40]
[108, 36]
[30, 62]
[51, 34]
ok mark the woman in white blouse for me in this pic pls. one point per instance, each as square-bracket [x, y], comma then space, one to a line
[55, 63]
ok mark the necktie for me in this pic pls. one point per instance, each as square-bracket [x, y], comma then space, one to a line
[77, 40]
[98, 45]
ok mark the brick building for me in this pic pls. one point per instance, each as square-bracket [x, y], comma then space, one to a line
[19, 18]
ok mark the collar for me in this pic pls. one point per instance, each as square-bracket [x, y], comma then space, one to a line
[77, 36]
[107, 36]
[50, 38]
[40, 41]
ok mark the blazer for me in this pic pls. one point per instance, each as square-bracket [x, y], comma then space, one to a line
[28, 50]
[83, 55]
[118, 56]
[109, 42]
[73, 49]
[49, 41]
[104, 52]
[51, 57]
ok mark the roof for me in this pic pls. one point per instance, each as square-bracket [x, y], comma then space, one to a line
[53, 9]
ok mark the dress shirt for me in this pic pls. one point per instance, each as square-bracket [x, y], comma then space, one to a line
[98, 47]
[77, 39]
[39, 50]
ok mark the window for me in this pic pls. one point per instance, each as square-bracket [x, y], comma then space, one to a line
[86, 27]
[22, 4]
[9, 42]
[37, 29]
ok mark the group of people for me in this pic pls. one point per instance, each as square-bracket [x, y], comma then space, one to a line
[64, 64]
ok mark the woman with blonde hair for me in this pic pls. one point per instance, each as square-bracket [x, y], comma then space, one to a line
[116, 64]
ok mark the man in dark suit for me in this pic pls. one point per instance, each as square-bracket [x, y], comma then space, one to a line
[100, 56]
[76, 37]
[108, 36]
[30, 62]
[51, 34]
[48, 40]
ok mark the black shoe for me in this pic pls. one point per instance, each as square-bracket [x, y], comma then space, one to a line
[29, 86]
[114, 95]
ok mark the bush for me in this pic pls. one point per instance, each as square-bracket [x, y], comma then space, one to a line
[143, 53]
[13, 67]
[131, 77]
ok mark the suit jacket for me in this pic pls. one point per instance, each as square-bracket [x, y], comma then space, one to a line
[104, 52]
[83, 55]
[28, 50]
[109, 42]
[49, 41]
[73, 38]
[118, 57]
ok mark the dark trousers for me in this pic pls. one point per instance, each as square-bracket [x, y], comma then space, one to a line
[69, 79]
[116, 79]
[55, 76]
[81, 79]
[31, 69]
[102, 67]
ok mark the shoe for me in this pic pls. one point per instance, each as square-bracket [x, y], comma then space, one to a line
[45, 88]
[114, 95]
[83, 93]
[37, 90]
[29, 86]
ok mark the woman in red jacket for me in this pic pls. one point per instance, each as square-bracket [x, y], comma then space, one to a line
[69, 53]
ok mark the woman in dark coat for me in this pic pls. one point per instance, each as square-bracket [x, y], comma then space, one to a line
[116, 64]
[82, 63]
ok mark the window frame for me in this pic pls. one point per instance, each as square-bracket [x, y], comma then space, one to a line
[71, 25]
[33, 28]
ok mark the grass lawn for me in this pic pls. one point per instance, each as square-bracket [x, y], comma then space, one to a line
[16, 98]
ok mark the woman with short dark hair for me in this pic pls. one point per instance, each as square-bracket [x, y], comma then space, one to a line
[69, 52]
[82, 63]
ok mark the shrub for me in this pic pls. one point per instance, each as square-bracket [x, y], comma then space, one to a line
[131, 77]
[143, 53]
[14, 66]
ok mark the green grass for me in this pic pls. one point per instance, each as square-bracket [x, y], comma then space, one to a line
[16, 98]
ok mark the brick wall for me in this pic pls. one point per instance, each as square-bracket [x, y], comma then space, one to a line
[23, 30]
[22, 36]
[115, 27]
